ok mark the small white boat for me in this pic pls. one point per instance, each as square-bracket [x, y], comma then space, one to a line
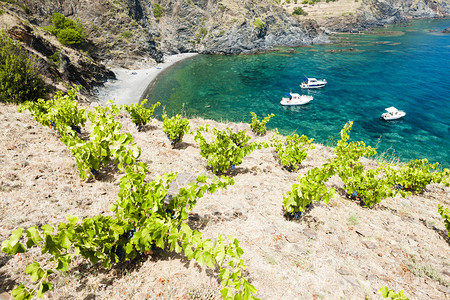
[312, 83]
[392, 114]
[295, 99]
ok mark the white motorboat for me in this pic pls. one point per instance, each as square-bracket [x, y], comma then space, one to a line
[312, 83]
[392, 114]
[295, 99]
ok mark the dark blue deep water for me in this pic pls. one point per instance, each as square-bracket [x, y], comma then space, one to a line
[406, 66]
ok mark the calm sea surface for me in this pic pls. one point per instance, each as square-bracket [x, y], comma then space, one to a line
[405, 66]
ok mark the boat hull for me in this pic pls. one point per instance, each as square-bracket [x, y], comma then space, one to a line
[312, 83]
[386, 116]
[308, 86]
[299, 101]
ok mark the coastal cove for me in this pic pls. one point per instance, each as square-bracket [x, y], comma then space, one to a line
[405, 66]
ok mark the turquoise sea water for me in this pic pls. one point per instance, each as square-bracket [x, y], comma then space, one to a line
[407, 67]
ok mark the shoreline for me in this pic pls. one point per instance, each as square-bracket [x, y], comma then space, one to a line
[130, 85]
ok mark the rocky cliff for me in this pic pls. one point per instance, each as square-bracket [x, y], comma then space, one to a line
[375, 13]
[126, 31]
[136, 32]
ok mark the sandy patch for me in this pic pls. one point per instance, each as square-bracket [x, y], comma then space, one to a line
[131, 84]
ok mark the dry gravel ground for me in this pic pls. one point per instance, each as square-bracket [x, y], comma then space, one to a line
[337, 251]
[322, 11]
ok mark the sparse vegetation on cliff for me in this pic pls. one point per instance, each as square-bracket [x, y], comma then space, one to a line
[19, 73]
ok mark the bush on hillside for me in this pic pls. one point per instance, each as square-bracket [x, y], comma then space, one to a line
[258, 23]
[19, 73]
[299, 12]
[68, 31]
[158, 10]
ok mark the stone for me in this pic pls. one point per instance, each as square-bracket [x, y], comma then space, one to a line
[351, 280]
[4, 296]
[343, 271]
[293, 237]
[370, 245]
[443, 289]
[412, 242]
[310, 233]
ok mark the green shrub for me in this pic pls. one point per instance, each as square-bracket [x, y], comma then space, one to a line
[25, 9]
[2, 12]
[68, 31]
[140, 114]
[175, 128]
[299, 12]
[392, 294]
[19, 73]
[258, 23]
[259, 127]
[158, 10]
[126, 34]
[445, 214]
[292, 150]
[69, 36]
[226, 149]
[55, 58]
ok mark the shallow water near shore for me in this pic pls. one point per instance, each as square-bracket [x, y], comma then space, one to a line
[405, 66]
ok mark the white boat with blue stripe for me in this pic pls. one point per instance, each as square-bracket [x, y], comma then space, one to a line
[295, 99]
[312, 83]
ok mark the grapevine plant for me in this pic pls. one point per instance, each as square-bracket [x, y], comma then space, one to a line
[38, 110]
[105, 143]
[392, 294]
[372, 185]
[226, 149]
[175, 128]
[416, 175]
[445, 214]
[142, 220]
[311, 188]
[60, 113]
[292, 150]
[368, 186]
[64, 112]
[140, 114]
[259, 127]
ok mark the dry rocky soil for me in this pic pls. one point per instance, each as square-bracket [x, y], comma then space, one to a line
[339, 250]
[323, 11]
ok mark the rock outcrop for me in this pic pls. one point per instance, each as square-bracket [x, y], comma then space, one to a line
[376, 13]
[60, 66]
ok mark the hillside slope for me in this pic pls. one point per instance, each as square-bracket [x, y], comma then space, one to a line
[337, 251]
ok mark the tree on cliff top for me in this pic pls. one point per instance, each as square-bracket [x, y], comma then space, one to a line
[68, 31]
